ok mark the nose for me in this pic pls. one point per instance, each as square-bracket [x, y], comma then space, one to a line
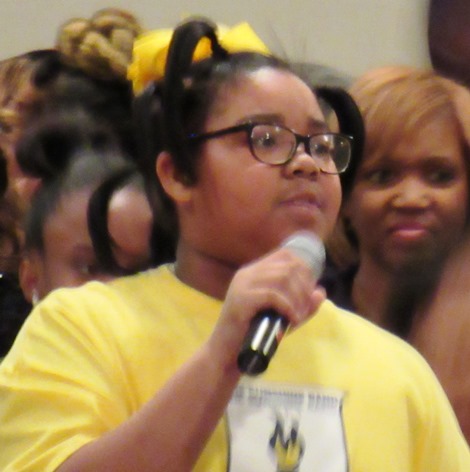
[302, 164]
[411, 194]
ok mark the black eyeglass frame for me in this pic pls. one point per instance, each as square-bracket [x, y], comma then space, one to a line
[299, 139]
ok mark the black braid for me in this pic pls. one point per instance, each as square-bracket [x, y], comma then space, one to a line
[185, 39]
[97, 216]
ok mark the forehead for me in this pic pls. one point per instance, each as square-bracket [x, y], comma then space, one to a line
[65, 231]
[266, 91]
[396, 119]
[439, 140]
[70, 214]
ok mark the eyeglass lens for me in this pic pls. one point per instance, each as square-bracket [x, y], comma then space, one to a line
[275, 145]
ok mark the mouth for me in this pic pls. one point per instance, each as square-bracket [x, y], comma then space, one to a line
[305, 210]
[409, 233]
[306, 200]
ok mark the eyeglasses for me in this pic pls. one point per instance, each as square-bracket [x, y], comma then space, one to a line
[276, 145]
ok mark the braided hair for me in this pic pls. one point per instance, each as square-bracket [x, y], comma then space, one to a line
[100, 46]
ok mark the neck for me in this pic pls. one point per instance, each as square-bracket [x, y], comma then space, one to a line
[390, 298]
[371, 292]
[203, 272]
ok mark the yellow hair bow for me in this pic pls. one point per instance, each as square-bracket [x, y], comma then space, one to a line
[151, 50]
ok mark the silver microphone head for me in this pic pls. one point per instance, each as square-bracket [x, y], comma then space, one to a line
[310, 248]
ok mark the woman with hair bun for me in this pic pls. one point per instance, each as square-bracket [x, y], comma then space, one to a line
[144, 373]
[85, 69]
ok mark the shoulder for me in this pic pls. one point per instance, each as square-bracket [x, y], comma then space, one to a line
[91, 308]
[387, 365]
[375, 348]
[136, 305]
[118, 292]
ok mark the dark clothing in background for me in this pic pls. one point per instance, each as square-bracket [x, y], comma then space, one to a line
[338, 284]
[13, 311]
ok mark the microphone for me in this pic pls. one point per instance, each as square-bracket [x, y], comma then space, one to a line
[268, 327]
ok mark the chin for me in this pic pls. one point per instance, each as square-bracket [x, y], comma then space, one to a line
[419, 260]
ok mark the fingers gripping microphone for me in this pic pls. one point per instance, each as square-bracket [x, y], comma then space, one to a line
[268, 327]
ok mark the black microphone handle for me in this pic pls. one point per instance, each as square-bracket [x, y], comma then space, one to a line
[264, 335]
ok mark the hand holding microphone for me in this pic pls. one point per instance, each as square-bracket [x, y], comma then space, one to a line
[268, 327]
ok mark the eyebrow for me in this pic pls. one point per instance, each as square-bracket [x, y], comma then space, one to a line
[275, 118]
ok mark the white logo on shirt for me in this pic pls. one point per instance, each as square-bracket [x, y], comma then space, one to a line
[277, 428]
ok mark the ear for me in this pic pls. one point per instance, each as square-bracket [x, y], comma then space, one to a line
[171, 180]
[29, 276]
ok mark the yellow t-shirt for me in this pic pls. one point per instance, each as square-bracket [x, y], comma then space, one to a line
[342, 393]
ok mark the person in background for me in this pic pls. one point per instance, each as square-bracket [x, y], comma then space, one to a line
[18, 98]
[447, 35]
[444, 322]
[406, 202]
[13, 306]
[142, 373]
[85, 73]
[86, 69]
[70, 155]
